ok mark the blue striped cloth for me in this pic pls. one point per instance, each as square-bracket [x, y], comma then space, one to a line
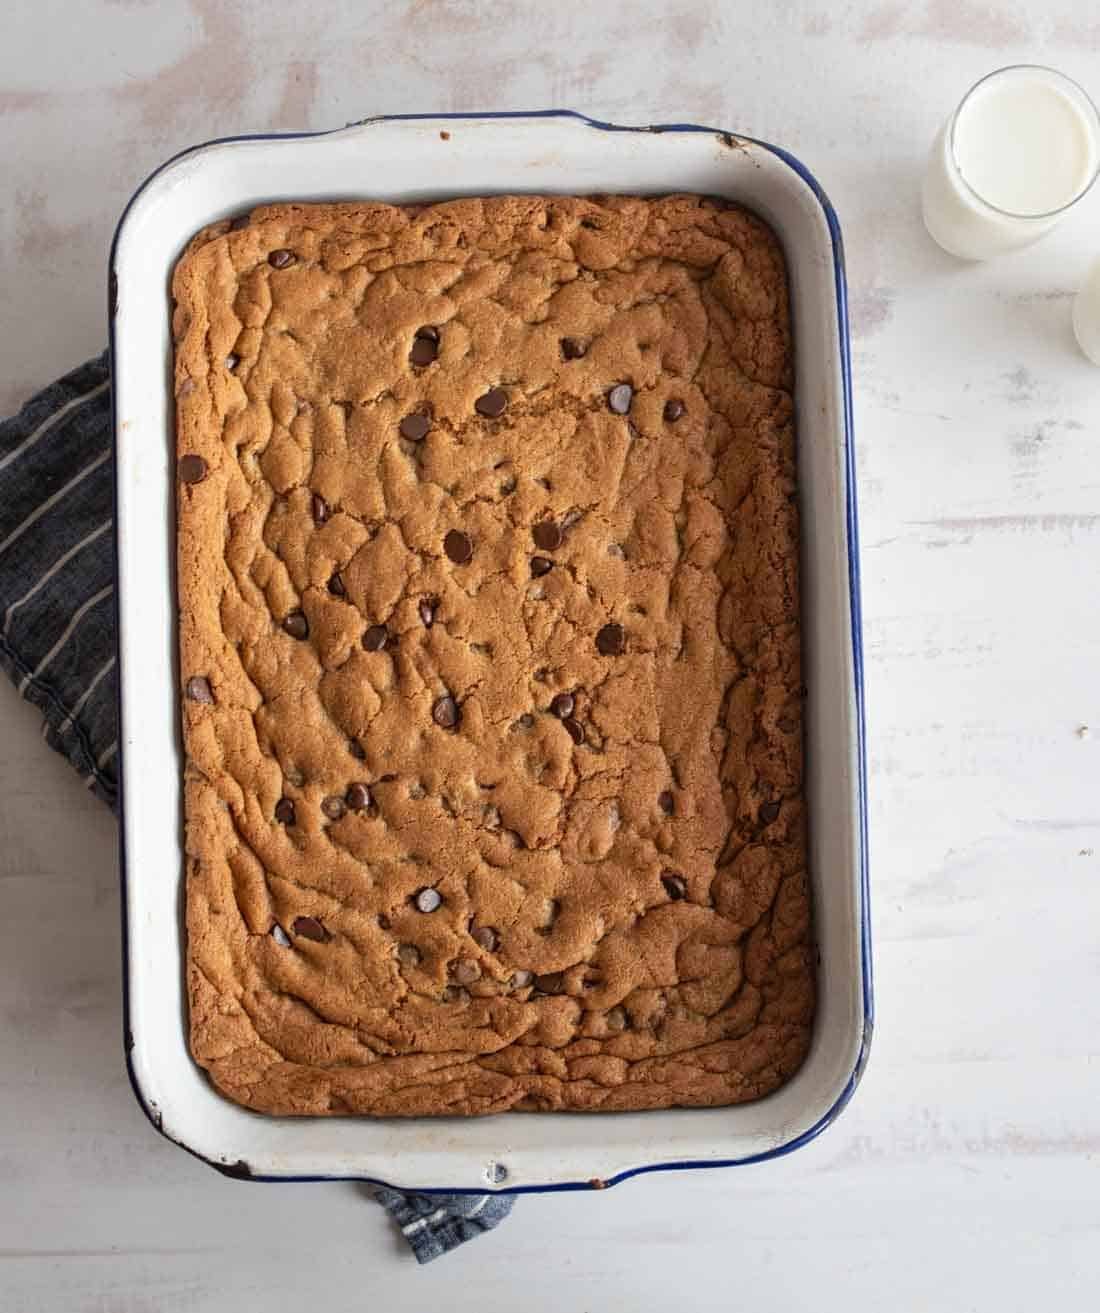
[57, 620]
[57, 644]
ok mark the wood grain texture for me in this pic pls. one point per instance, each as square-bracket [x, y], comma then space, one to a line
[964, 1176]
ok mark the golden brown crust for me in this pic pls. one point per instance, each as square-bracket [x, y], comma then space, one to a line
[651, 878]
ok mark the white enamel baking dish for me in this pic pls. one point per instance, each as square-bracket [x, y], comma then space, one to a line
[413, 159]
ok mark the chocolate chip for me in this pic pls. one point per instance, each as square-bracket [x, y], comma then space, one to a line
[769, 812]
[320, 509]
[541, 565]
[562, 705]
[232, 361]
[192, 469]
[383, 921]
[408, 955]
[426, 607]
[423, 352]
[308, 927]
[619, 398]
[374, 640]
[199, 690]
[358, 797]
[547, 535]
[616, 1019]
[280, 935]
[674, 408]
[296, 625]
[445, 713]
[425, 347]
[336, 585]
[428, 899]
[466, 971]
[356, 750]
[284, 811]
[493, 404]
[521, 978]
[550, 983]
[674, 886]
[576, 730]
[486, 937]
[281, 258]
[572, 348]
[333, 807]
[459, 546]
[666, 802]
[611, 640]
[415, 427]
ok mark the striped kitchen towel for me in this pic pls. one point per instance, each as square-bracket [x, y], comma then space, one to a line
[57, 617]
[57, 644]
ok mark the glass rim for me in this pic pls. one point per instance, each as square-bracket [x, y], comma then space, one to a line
[1088, 104]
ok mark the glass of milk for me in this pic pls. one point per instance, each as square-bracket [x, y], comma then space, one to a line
[1022, 148]
[1086, 315]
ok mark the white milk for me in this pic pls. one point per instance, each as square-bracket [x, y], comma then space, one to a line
[1086, 315]
[1021, 148]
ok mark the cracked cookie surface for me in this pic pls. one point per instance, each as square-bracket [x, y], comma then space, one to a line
[490, 657]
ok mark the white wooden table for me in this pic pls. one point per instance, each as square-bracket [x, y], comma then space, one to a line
[966, 1175]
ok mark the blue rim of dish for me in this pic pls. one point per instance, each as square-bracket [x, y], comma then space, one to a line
[240, 1170]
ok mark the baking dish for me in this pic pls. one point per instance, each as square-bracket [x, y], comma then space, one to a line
[426, 157]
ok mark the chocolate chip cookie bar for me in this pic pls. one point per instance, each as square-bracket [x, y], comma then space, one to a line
[490, 657]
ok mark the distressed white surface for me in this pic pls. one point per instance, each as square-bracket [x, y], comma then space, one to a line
[966, 1175]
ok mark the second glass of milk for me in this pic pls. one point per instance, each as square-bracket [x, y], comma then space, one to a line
[1023, 147]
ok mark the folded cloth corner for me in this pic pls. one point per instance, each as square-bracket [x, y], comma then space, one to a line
[434, 1224]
